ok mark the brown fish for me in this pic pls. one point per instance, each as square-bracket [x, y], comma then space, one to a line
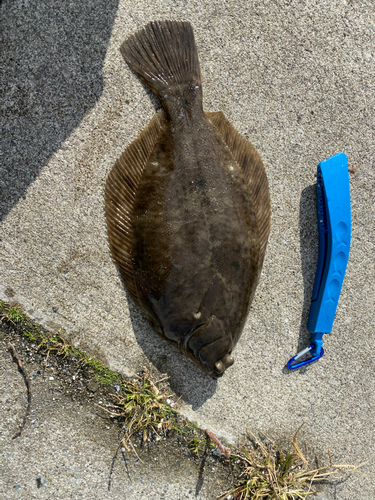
[187, 207]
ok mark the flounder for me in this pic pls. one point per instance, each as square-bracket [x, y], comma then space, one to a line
[187, 207]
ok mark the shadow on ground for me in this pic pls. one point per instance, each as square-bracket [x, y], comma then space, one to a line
[51, 71]
[186, 379]
[309, 246]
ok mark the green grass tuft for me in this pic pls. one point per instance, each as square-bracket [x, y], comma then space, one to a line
[143, 405]
[30, 336]
[197, 445]
[14, 314]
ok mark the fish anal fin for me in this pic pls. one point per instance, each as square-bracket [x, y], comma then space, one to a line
[254, 174]
[120, 191]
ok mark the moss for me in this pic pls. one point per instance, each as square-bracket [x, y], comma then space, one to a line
[55, 343]
[102, 374]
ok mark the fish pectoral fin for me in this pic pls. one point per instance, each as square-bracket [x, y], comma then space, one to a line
[216, 301]
[120, 190]
[254, 174]
[209, 299]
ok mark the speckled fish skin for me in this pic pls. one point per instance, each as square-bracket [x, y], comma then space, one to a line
[187, 207]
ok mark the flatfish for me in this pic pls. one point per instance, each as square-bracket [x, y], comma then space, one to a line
[187, 207]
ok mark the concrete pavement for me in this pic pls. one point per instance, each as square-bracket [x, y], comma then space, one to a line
[297, 79]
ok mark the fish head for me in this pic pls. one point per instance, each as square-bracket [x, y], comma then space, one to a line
[211, 346]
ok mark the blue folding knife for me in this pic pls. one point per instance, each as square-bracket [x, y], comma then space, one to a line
[334, 224]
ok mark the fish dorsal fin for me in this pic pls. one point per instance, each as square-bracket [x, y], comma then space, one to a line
[254, 174]
[120, 190]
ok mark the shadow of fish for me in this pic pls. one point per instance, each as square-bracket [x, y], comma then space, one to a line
[187, 207]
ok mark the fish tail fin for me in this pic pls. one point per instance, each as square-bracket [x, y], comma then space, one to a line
[163, 54]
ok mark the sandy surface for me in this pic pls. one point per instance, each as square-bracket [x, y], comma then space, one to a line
[297, 79]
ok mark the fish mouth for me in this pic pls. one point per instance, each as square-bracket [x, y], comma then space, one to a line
[184, 343]
[220, 366]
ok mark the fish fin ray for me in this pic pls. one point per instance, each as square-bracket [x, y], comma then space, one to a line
[163, 54]
[254, 174]
[120, 191]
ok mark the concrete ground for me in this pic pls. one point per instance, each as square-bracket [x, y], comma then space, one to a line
[297, 79]
[71, 449]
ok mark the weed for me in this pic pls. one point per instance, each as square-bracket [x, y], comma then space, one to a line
[30, 336]
[201, 441]
[57, 344]
[61, 347]
[269, 472]
[197, 446]
[13, 314]
[145, 409]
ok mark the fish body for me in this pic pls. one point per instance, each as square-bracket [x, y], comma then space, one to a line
[187, 207]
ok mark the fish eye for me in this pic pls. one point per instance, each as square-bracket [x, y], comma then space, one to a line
[229, 360]
[219, 366]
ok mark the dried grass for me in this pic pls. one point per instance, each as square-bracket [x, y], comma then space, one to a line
[271, 473]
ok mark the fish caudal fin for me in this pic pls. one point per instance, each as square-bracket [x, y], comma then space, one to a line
[163, 54]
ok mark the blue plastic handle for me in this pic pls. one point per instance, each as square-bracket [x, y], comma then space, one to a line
[334, 225]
